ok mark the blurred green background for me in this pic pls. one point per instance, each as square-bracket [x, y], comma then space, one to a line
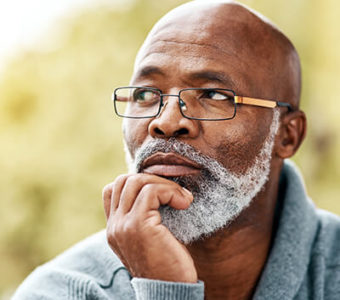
[60, 142]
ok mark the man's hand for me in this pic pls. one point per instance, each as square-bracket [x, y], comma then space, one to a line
[135, 232]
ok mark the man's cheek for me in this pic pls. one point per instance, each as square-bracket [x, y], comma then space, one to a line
[134, 132]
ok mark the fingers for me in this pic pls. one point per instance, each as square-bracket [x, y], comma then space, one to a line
[153, 195]
[113, 242]
[135, 231]
[106, 196]
[151, 191]
[111, 194]
[118, 186]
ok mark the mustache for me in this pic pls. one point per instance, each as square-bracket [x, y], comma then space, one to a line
[173, 145]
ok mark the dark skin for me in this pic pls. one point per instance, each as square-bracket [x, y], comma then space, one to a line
[226, 46]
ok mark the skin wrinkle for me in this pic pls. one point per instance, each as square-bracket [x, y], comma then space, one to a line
[234, 54]
[225, 81]
[189, 50]
[185, 54]
[243, 78]
[201, 78]
[203, 75]
[237, 163]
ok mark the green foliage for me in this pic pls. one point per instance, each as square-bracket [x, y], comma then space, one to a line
[60, 143]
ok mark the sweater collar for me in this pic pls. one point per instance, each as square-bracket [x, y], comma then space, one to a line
[290, 254]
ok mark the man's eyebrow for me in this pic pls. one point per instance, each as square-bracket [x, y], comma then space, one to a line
[214, 76]
[209, 76]
[149, 70]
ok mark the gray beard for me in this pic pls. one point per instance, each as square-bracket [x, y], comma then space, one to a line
[219, 195]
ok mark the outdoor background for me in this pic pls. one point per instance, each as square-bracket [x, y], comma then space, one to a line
[60, 142]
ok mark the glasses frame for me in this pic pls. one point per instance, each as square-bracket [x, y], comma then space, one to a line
[267, 103]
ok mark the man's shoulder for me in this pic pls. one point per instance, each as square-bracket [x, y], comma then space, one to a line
[91, 256]
[324, 267]
[88, 268]
[328, 237]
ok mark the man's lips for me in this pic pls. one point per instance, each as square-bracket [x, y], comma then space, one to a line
[169, 165]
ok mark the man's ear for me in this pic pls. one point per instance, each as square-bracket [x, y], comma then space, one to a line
[291, 133]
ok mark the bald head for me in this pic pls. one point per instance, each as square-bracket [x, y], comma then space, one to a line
[259, 59]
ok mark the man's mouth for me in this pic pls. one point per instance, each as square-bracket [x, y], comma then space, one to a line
[169, 165]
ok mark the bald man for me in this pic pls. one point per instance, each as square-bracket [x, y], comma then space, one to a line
[210, 208]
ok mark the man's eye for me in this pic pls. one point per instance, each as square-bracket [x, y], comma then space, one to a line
[215, 95]
[145, 96]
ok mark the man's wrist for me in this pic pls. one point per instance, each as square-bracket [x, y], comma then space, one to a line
[147, 289]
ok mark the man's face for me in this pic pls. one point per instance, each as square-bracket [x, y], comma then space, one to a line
[180, 55]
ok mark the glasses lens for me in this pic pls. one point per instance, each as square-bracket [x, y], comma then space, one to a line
[210, 104]
[137, 102]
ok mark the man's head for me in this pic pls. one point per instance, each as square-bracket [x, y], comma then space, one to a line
[221, 44]
[234, 36]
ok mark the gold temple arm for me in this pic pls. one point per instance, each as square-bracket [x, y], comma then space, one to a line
[254, 101]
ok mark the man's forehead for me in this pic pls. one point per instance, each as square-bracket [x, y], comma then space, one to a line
[197, 64]
[209, 32]
[190, 76]
[193, 54]
[185, 47]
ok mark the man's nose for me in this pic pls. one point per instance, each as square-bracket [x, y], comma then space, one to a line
[171, 123]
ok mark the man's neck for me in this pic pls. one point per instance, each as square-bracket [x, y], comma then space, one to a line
[231, 261]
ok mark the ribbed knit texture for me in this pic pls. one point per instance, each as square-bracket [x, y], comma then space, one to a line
[304, 262]
[147, 289]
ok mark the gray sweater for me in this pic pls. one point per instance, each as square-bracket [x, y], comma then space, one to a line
[304, 261]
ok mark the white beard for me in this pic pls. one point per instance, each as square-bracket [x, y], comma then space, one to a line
[219, 195]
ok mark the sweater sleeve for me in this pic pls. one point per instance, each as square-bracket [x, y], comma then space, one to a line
[88, 270]
[49, 284]
[148, 289]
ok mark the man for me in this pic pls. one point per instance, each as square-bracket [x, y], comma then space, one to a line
[210, 209]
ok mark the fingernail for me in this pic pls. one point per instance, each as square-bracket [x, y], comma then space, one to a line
[188, 193]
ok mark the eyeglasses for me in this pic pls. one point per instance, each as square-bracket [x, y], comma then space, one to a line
[207, 104]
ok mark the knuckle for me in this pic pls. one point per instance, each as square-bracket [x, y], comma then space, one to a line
[118, 232]
[106, 190]
[139, 178]
[111, 237]
[129, 227]
[148, 189]
[120, 179]
[113, 232]
[134, 178]
[110, 187]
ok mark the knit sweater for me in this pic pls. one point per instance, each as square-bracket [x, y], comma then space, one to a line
[304, 261]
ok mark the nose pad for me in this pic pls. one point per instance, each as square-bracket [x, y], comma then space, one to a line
[165, 103]
[172, 123]
[182, 105]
